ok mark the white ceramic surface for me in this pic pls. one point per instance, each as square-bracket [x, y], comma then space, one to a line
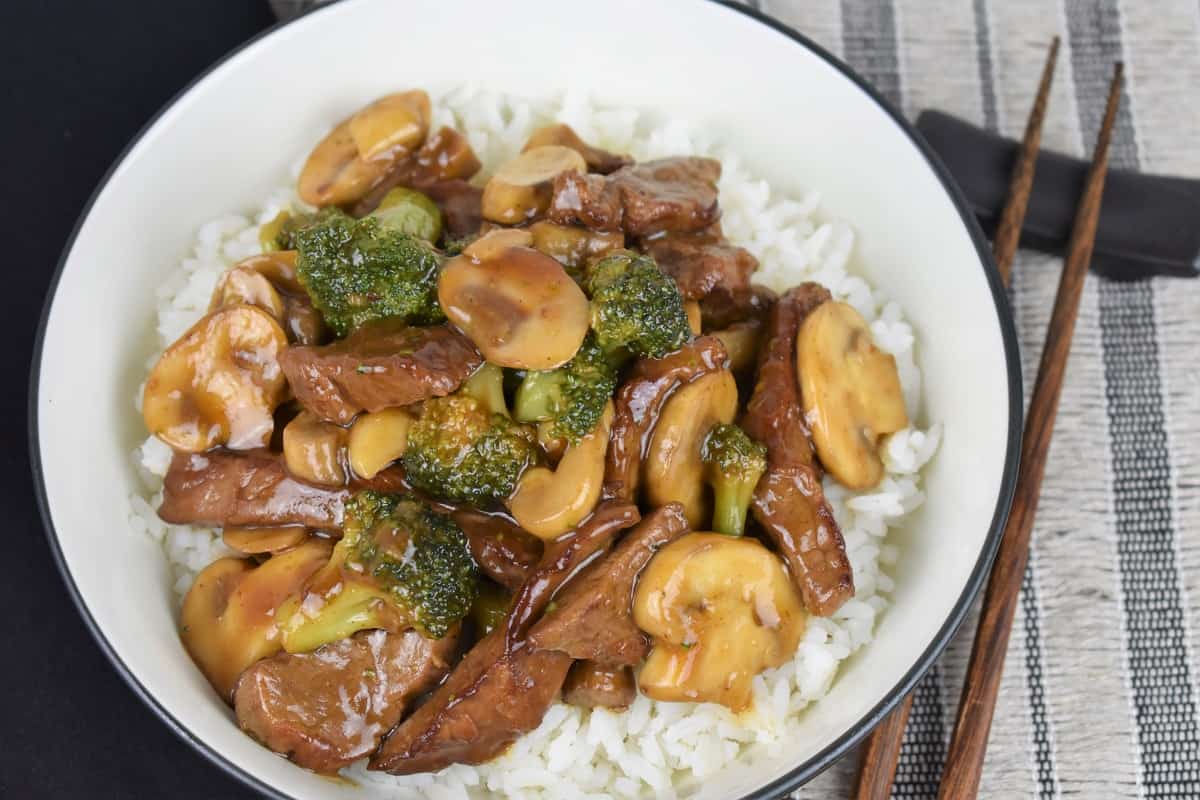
[797, 118]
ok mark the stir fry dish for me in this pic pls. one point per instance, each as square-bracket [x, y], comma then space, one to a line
[482, 446]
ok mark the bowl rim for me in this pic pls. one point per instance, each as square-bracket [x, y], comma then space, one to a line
[835, 749]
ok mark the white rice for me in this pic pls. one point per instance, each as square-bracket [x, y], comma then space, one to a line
[653, 746]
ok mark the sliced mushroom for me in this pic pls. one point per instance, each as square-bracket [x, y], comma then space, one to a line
[721, 610]
[741, 340]
[562, 134]
[242, 285]
[361, 150]
[279, 267]
[494, 242]
[692, 308]
[397, 122]
[276, 290]
[549, 503]
[517, 305]
[673, 470]
[571, 245]
[315, 450]
[850, 391]
[219, 384]
[228, 619]
[520, 189]
[258, 541]
[376, 440]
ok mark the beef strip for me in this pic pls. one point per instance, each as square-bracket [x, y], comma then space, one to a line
[492, 697]
[593, 615]
[702, 262]
[591, 685]
[461, 204]
[253, 488]
[638, 403]
[502, 687]
[789, 502]
[722, 307]
[504, 551]
[444, 157]
[381, 365]
[670, 194]
[562, 558]
[331, 707]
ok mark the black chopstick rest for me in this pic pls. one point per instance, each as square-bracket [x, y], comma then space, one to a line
[1149, 224]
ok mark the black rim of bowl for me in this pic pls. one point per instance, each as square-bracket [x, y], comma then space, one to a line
[832, 751]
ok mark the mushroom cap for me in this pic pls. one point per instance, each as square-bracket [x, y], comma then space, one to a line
[263, 540]
[219, 383]
[850, 392]
[548, 503]
[377, 439]
[359, 153]
[315, 450]
[673, 471]
[518, 306]
[721, 610]
[228, 618]
[520, 190]
[244, 285]
[396, 122]
[571, 245]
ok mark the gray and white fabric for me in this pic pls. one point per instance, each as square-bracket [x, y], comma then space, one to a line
[1100, 690]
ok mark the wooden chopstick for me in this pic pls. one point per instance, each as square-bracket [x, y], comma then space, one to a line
[968, 743]
[882, 751]
[1020, 186]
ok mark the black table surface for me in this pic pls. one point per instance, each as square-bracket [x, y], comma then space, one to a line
[79, 78]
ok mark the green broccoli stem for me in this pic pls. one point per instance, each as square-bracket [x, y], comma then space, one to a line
[539, 397]
[355, 608]
[486, 386]
[731, 501]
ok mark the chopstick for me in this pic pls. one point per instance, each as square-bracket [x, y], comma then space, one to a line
[1020, 187]
[882, 751]
[968, 743]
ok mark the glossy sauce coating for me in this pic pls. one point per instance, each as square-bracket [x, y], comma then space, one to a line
[721, 609]
[591, 685]
[505, 552]
[562, 558]
[518, 306]
[789, 502]
[383, 364]
[332, 706]
[592, 617]
[503, 686]
[639, 402]
[228, 617]
[219, 383]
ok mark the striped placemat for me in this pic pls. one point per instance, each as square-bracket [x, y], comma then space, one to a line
[1100, 689]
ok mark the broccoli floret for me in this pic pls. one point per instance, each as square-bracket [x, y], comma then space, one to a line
[635, 306]
[455, 246]
[733, 463]
[573, 395]
[398, 564]
[409, 211]
[357, 270]
[465, 447]
[280, 232]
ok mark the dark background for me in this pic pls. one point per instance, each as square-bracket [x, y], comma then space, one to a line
[78, 79]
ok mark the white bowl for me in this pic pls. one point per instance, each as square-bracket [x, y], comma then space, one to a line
[800, 117]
